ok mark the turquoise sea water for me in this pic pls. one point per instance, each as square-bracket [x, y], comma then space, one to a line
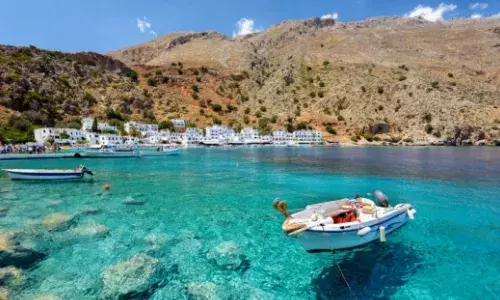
[183, 209]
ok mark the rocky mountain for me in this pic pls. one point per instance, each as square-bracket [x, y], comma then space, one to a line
[388, 79]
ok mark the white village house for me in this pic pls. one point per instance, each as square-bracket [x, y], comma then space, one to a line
[217, 132]
[103, 126]
[146, 130]
[179, 124]
[193, 135]
[282, 136]
[307, 136]
[74, 135]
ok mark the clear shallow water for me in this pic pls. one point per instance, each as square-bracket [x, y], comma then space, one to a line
[201, 198]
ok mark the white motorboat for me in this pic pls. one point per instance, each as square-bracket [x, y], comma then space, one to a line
[42, 174]
[345, 223]
[162, 151]
[113, 151]
[213, 142]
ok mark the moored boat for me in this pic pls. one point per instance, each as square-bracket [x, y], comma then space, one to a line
[44, 174]
[345, 223]
[162, 151]
[113, 151]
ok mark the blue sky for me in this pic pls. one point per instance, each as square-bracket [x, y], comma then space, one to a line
[104, 25]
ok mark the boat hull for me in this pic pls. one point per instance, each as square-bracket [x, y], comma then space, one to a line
[322, 240]
[161, 153]
[44, 176]
[95, 154]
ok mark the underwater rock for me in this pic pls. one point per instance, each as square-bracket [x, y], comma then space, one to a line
[133, 277]
[132, 201]
[12, 253]
[4, 294]
[54, 203]
[57, 222]
[4, 210]
[10, 276]
[90, 230]
[202, 291]
[48, 297]
[226, 255]
[88, 211]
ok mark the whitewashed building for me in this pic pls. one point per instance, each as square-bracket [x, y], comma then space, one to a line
[110, 139]
[217, 132]
[179, 124]
[146, 130]
[307, 136]
[249, 133]
[93, 138]
[282, 137]
[103, 126]
[130, 140]
[193, 135]
[74, 135]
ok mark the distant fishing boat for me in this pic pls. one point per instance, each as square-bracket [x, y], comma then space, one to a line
[43, 174]
[162, 151]
[112, 151]
[345, 223]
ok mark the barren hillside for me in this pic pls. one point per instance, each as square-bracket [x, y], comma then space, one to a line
[387, 79]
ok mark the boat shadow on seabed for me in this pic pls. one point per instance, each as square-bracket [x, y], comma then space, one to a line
[376, 271]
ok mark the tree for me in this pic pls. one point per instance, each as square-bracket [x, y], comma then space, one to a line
[166, 125]
[95, 128]
[158, 72]
[326, 63]
[64, 135]
[50, 140]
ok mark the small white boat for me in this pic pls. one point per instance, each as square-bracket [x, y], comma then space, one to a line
[345, 223]
[40, 174]
[161, 151]
[113, 151]
[212, 142]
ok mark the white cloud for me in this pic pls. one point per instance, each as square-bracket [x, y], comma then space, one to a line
[431, 14]
[496, 16]
[145, 26]
[476, 16]
[478, 5]
[245, 26]
[333, 16]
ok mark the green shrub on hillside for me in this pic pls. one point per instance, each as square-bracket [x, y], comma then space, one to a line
[151, 82]
[216, 107]
[331, 130]
[368, 136]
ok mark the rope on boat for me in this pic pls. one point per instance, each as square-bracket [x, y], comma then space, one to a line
[347, 283]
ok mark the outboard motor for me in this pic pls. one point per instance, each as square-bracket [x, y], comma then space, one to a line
[381, 198]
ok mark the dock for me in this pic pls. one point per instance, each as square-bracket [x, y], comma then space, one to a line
[41, 156]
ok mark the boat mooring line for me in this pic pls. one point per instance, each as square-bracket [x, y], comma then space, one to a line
[347, 283]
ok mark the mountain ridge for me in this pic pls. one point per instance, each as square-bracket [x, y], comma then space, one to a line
[387, 78]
